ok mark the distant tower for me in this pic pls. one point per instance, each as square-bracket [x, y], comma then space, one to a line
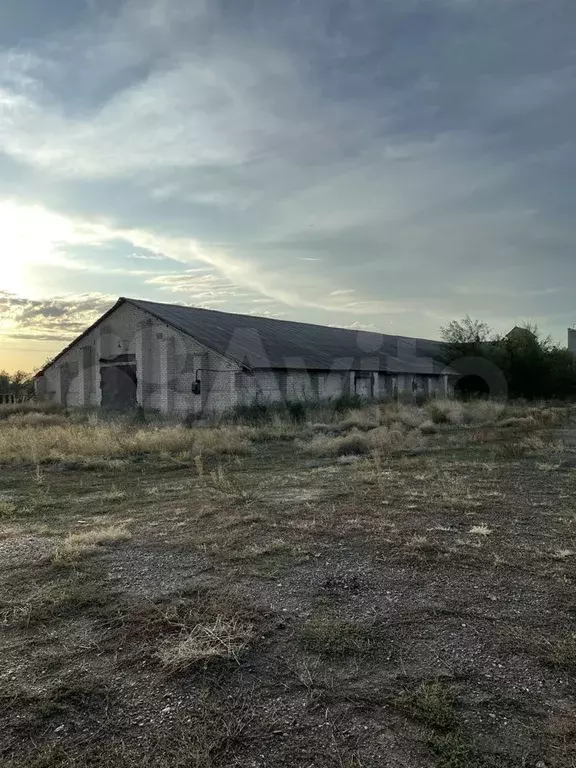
[572, 340]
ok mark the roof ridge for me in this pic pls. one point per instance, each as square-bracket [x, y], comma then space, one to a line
[278, 320]
[256, 341]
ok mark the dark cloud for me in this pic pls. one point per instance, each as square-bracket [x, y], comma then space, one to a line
[420, 153]
[50, 320]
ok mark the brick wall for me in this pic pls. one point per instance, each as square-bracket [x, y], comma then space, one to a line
[168, 362]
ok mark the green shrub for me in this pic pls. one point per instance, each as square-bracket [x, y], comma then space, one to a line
[296, 411]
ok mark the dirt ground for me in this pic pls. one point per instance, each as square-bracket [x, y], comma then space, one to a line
[409, 610]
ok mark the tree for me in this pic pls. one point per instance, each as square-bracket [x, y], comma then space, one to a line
[18, 386]
[466, 331]
[465, 337]
[533, 366]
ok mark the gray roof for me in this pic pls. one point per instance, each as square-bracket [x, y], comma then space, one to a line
[263, 342]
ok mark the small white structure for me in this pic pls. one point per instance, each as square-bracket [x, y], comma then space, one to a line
[182, 359]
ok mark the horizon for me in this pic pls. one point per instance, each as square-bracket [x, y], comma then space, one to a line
[384, 167]
[360, 332]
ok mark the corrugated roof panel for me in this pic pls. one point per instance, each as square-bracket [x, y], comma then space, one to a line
[263, 342]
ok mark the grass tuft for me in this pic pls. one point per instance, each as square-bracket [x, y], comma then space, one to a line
[382, 440]
[7, 508]
[231, 487]
[432, 703]
[334, 638]
[51, 600]
[78, 545]
[480, 530]
[222, 639]
[511, 451]
[355, 443]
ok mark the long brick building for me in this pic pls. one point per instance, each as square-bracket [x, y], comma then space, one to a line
[183, 359]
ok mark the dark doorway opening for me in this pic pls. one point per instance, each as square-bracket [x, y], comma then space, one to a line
[471, 385]
[118, 382]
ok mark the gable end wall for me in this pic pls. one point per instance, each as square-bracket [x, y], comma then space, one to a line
[166, 365]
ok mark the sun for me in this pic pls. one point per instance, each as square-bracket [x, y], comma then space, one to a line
[29, 236]
[11, 277]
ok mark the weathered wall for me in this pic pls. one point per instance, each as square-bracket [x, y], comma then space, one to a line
[277, 386]
[167, 363]
[292, 386]
[166, 366]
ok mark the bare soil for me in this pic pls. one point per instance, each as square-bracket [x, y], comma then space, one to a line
[408, 610]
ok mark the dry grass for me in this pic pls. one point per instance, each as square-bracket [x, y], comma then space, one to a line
[8, 410]
[510, 451]
[480, 530]
[363, 419]
[357, 608]
[334, 638]
[221, 639]
[49, 600]
[492, 412]
[37, 419]
[562, 554]
[277, 428]
[229, 486]
[391, 427]
[381, 440]
[354, 443]
[77, 545]
[31, 433]
[446, 412]
[435, 412]
[428, 428]
[410, 416]
[73, 441]
[483, 411]
[7, 508]
[489, 412]
[538, 444]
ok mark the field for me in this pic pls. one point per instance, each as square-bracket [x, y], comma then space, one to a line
[386, 586]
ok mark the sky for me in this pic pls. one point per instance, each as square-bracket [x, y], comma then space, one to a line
[384, 165]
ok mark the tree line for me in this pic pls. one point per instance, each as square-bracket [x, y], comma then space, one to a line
[533, 366]
[15, 387]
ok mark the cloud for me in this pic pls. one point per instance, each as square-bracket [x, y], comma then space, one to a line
[265, 313]
[198, 286]
[147, 256]
[410, 154]
[57, 319]
[356, 326]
